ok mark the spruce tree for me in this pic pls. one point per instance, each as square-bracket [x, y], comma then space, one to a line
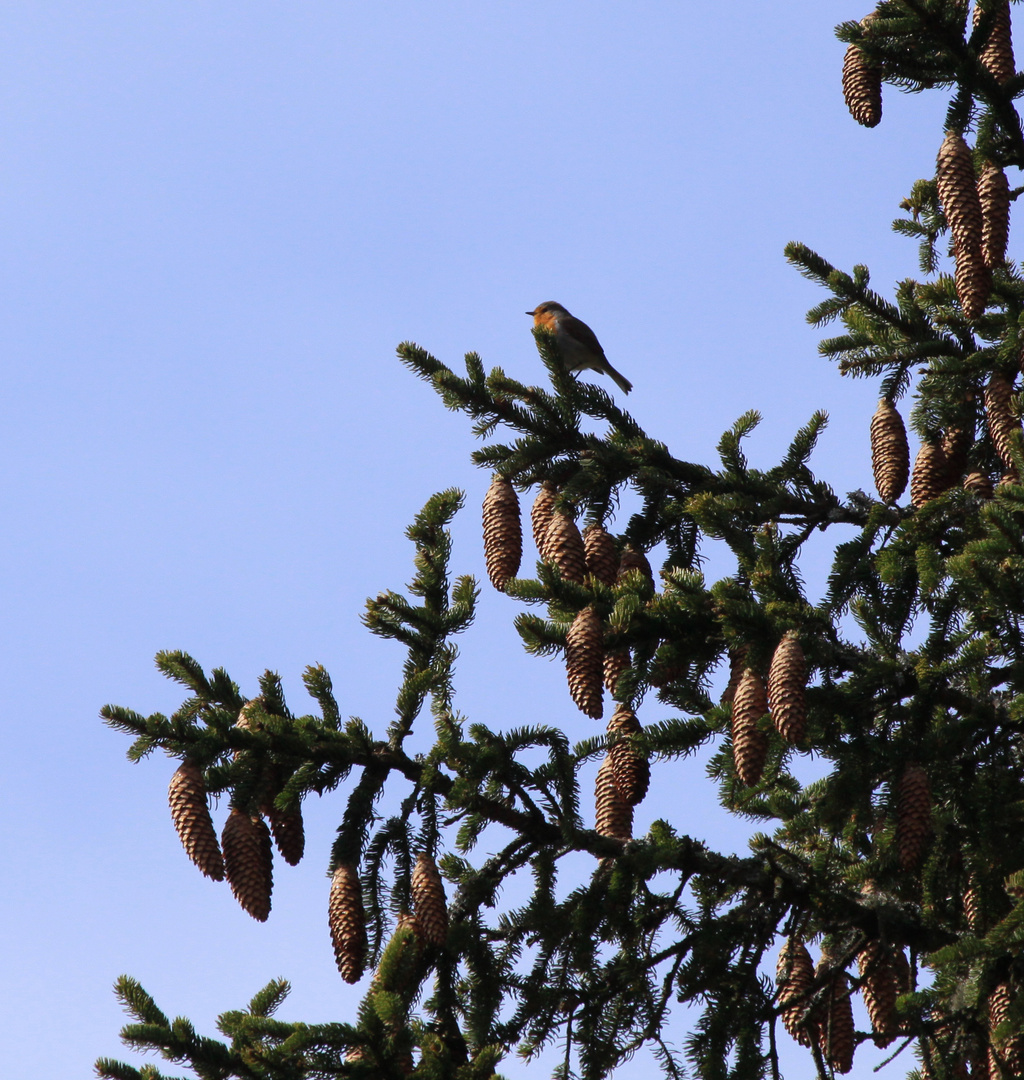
[898, 876]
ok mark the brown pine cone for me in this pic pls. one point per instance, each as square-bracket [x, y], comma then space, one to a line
[928, 480]
[613, 815]
[795, 979]
[584, 662]
[615, 663]
[901, 971]
[958, 192]
[997, 54]
[980, 484]
[1000, 417]
[836, 1033]
[1009, 1052]
[787, 678]
[737, 665]
[192, 822]
[503, 534]
[348, 922]
[956, 442]
[913, 816]
[601, 553]
[862, 86]
[749, 742]
[288, 830]
[540, 516]
[633, 560]
[994, 192]
[630, 768]
[890, 454]
[973, 279]
[429, 901]
[879, 990]
[563, 547]
[973, 907]
[249, 862]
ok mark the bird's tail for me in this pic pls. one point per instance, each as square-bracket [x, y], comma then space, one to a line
[622, 382]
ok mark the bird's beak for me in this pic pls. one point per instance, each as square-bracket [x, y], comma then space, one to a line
[531, 312]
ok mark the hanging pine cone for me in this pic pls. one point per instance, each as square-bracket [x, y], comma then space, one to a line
[879, 990]
[901, 971]
[836, 1033]
[630, 768]
[997, 54]
[862, 85]
[749, 742]
[613, 815]
[429, 901]
[503, 534]
[348, 922]
[249, 862]
[994, 192]
[540, 516]
[956, 442]
[615, 663]
[890, 454]
[737, 665]
[584, 662]
[563, 547]
[601, 553]
[980, 484]
[633, 560]
[1005, 1051]
[928, 480]
[288, 830]
[958, 192]
[973, 908]
[1000, 417]
[913, 816]
[795, 978]
[973, 279]
[192, 822]
[787, 678]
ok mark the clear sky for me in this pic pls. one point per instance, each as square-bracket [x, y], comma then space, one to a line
[216, 223]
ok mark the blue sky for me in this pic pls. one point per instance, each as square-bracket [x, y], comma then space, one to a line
[216, 223]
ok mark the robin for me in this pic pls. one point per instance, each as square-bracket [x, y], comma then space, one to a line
[576, 342]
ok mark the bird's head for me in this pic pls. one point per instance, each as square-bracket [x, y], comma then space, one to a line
[547, 313]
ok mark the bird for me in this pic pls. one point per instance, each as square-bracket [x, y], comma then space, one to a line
[576, 342]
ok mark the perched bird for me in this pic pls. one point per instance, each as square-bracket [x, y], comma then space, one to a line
[577, 343]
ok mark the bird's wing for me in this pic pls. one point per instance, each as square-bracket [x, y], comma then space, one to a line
[582, 333]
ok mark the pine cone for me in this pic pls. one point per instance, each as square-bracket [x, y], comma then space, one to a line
[749, 742]
[503, 534]
[563, 547]
[602, 555]
[901, 971]
[429, 901]
[1007, 1051]
[633, 561]
[958, 192]
[973, 907]
[630, 768]
[994, 192]
[540, 516]
[288, 830]
[614, 816]
[249, 862]
[913, 816]
[795, 979]
[879, 990]
[956, 442]
[737, 665]
[862, 86]
[192, 821]
[890, 454]
[584, 662]
[348, 922]
[928, 480]
[836, 1033]
[787, 678]
[615, 663]
[1000, 417]
[980, 484]
[997, 54]
[973, 279]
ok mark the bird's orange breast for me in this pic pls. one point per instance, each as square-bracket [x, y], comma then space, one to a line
[547, 320]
